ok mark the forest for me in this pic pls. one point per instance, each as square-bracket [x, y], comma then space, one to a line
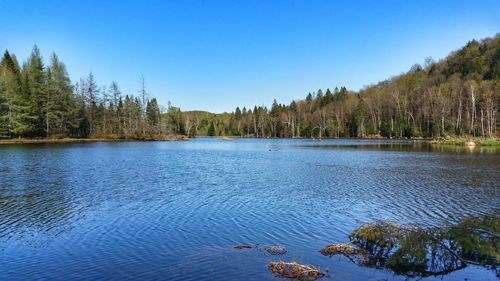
[39, 101]
[456, 96]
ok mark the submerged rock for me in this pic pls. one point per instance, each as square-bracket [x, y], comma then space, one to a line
[276, 250]
[295, 270]
[243, 246]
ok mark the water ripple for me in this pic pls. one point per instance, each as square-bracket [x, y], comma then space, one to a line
[172, 211]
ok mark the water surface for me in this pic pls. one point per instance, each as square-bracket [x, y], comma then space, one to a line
[173, 210]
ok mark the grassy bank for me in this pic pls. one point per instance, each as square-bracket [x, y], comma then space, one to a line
[462, 141]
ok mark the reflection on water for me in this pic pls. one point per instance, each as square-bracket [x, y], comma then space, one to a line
[410, 146]
[174, 210]
[32, 204]
[33, 213]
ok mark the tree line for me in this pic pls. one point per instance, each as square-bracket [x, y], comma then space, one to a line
[458, 95]
[39, 100]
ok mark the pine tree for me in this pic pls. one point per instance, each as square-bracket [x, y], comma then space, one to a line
[143, 96]
[61, 108]
[120, 116]
[116, 98]
[153, 115]
[211, 129]
[36, 79]
[14, 115]
[91, 99]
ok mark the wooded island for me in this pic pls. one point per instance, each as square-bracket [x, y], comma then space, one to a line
[457, 96]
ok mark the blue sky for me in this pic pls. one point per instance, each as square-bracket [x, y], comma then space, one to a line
[216, 55]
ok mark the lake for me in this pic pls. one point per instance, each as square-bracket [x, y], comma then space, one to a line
[174, 210]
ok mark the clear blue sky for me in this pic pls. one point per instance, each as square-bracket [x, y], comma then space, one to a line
[216, 55]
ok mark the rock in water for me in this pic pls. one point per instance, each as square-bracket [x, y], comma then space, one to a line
[470, 143]
[243, 246]
[276, 250]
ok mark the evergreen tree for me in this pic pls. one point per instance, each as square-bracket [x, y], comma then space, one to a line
[116, 97]
[153, 115]
[61, 108]
[91, 99]
[14, 109]
[211, 129]
[36, 80]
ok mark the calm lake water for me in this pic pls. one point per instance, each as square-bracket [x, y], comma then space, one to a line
[174, 210]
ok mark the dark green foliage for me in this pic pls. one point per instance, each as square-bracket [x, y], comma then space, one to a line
[153, 116]
[40, 101]
[211, 129]
[14, 106]
[60, 109]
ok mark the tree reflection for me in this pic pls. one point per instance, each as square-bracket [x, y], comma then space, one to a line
[416, 251]
[32, 212]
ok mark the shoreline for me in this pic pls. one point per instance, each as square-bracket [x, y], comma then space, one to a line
[467, 142]
[458, 141]
[455, 141]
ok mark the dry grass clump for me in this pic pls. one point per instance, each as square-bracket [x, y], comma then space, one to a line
[295, 270]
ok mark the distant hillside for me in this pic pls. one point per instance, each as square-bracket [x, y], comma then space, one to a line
[458, 95]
